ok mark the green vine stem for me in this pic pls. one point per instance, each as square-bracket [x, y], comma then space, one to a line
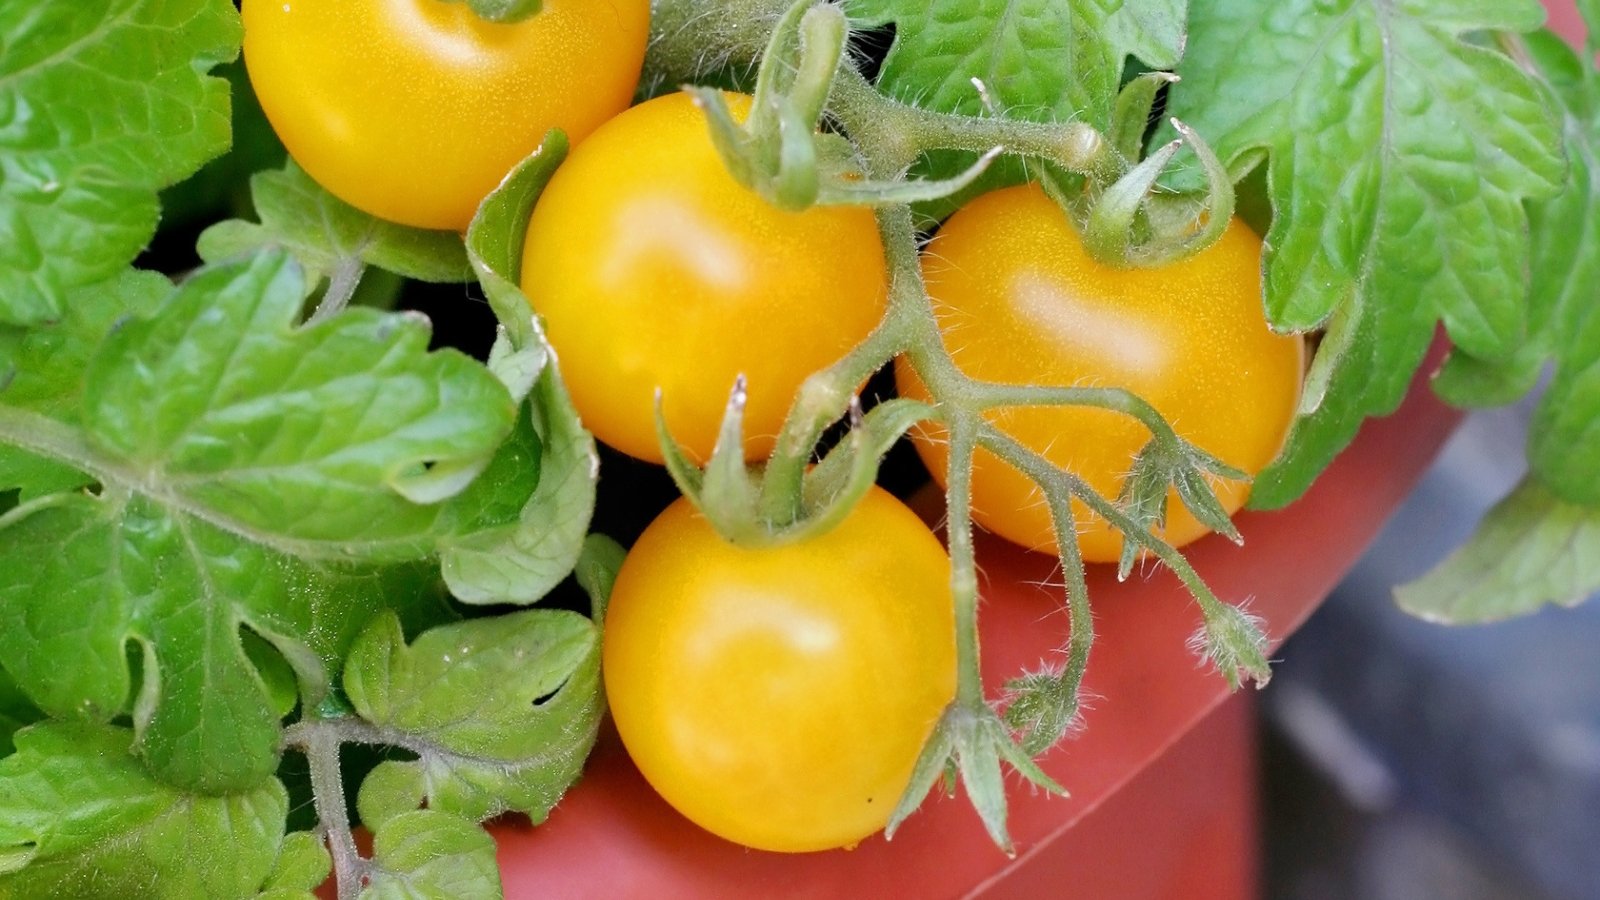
[321, 748]
[342, 284]
[320, 740]
[694, 40]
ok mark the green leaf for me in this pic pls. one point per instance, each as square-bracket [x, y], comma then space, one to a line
[42, 369]
[104, 102]
[518, 559]
[330, 440]
[302, 866]
[36, 476]
[277, 676]
[328, 235]
[1038, 59]
[1565, 265]
[246, 466]
[222, 187]
[503, 10]
[501, 712]
[494, 247]
[80, 817]
[1563, 302]
[1590, 10]
[1154, 31]
[597, 570]
[1531, 549]
[1400, 156]
[15, 712]
[1564, 438]
[428, 855]
[81, 577]
[1468, 382]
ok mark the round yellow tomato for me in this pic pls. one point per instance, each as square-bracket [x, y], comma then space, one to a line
[1020, 301]
[779, 696]
[414, 110]
[653, 268]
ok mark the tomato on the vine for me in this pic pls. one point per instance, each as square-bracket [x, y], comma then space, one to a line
[653, 268]
[413, 110]
[1020, 301]
[779, 696]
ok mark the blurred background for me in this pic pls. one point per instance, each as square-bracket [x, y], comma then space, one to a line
[1402, 759]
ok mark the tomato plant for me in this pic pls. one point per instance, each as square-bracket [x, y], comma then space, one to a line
[739, 676]
[413, 110]
[246, 510]
[654, 269]
[1020, 301]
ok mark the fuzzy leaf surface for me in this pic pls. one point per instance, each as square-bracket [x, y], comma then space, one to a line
[255, 475]
[330, 440]
[81, 817]
[428, 855]
[84, 578]
[1039, 59]
[501, 712]
[102, 104]
[42, 369]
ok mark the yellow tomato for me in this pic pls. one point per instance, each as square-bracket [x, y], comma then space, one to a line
[779, 697]
[414, 110]
[1020, 301]
[653, 268]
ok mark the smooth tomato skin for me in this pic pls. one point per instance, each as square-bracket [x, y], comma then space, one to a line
[778, 697]
[414, 110]
[1020, 301]
[652, 267]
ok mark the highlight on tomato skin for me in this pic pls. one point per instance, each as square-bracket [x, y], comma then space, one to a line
[1020, 301]
[779, 697]
[653, 268]
[414, 110]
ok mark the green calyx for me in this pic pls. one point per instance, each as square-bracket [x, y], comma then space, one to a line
[502, 12]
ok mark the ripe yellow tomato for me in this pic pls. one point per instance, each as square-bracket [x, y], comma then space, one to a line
[1020, 301]
[779, 696]
[414, 110]
[653, 268]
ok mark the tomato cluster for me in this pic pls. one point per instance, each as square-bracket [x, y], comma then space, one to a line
[778, 695]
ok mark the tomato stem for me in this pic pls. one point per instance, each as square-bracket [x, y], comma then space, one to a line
[897, 133]
[823, 398]
[342, 284]
[321, 748]
[963, 557]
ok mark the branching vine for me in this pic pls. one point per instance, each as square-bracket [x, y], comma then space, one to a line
[1110, 196]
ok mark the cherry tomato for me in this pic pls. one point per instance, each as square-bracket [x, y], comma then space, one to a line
[779, 696]
[653, 268]
[413, 110]
[1020, 301]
